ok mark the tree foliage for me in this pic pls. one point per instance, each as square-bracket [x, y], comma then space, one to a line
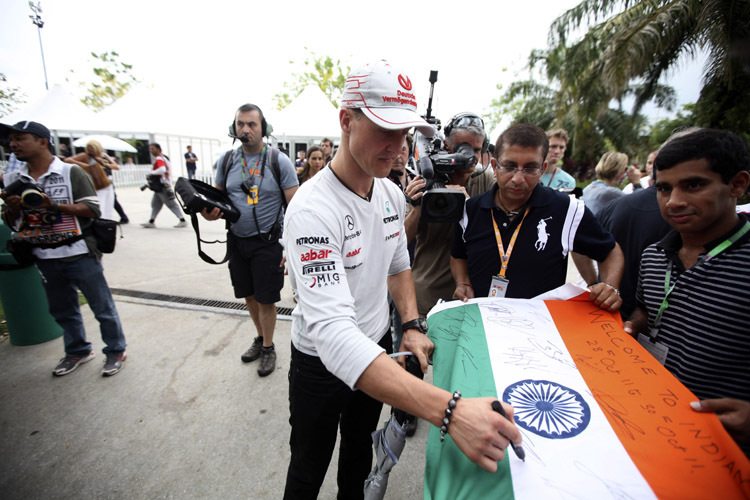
[112, 79]
[10, 97]
[626, 50]
[641, 41]
[322, 71]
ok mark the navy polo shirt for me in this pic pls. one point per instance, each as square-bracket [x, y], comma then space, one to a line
[554, 226]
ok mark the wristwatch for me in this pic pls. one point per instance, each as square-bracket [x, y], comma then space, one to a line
[417, 324]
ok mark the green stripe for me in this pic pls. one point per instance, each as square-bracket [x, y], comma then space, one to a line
[461, 362]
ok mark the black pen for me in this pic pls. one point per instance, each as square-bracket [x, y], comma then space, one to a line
[518, 450]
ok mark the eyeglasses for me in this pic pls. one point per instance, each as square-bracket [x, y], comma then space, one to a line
[527, 171]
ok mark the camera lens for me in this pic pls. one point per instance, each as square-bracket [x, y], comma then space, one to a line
[442, 205]
[32, 198]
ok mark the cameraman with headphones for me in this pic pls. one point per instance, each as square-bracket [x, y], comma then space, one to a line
[260, 182]
[431, 269]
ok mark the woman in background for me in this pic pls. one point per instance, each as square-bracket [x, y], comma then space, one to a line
[94, 161]
[312, 165]
[609, 172]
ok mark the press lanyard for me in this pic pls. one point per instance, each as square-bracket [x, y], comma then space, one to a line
[505, 257]
[262, 155]
[669, 286]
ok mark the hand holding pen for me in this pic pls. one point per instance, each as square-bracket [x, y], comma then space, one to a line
[518, 450]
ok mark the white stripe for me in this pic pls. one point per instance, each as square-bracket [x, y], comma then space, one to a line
[572, 221]
[465, 221]
[524, 344]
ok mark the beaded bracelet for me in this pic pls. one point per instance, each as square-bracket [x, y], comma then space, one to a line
[448, 414]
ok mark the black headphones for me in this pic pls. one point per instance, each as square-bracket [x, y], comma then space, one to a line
[266, 128]
[465, 119]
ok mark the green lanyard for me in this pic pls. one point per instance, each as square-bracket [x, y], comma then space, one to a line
[669, 286]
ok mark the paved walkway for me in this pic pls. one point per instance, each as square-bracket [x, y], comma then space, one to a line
[185, 418]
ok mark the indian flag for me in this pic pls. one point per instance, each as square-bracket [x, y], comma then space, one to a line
[600, 417]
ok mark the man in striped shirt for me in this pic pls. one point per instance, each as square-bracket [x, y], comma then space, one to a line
[693, 294]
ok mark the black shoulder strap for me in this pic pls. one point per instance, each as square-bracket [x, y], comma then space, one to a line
[203, 255]
[276, 170]
[226, 166]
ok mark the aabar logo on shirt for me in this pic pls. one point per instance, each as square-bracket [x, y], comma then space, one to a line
[354, 252]
[541, 235]
[314, 255]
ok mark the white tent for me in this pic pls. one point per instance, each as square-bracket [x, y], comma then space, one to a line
[159, 115]
[144, 114]
[59, 111]
[307, 120]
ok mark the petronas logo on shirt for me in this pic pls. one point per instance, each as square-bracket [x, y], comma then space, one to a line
[387, 206]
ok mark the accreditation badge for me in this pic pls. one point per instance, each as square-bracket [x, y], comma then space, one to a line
[499, 286]
[252, 195]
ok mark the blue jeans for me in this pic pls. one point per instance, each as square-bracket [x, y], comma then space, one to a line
[61, 282]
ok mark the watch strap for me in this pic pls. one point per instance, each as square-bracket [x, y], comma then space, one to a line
[418, 324]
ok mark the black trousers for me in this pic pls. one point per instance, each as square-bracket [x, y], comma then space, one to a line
[320, 403]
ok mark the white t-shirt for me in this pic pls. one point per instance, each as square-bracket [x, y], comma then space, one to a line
[644, 184]
[340, 250]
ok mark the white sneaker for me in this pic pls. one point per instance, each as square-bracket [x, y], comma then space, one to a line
[182, 223]
[148, 224]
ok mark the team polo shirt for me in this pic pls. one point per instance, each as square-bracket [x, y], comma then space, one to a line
[340, 249]
[555, 225]
[706, 325]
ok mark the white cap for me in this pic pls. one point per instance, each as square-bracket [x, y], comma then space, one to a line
[385, 96]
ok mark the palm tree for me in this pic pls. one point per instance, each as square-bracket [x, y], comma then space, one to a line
[640, 41]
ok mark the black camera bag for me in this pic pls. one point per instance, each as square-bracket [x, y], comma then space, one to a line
[154, 183]
[196, 195]
[105, 233]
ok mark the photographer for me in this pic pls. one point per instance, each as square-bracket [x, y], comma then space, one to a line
[56, 205]
[260, 187]
[431, 269]
[159, 181]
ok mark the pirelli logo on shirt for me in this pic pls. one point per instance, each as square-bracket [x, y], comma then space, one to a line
[323, 266]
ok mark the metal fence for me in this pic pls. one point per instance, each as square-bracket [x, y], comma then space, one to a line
[135, 175]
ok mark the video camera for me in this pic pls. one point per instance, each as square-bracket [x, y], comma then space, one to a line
[434, 163]
[31, 193]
